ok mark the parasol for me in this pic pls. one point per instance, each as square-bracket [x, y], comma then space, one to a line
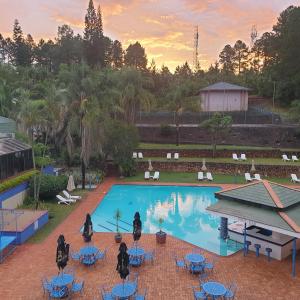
[62, 253]
[203, 168]
[252, 166]
[71, 184]
[123, 261]
[137, 227]
[87, 229]
[150, 168]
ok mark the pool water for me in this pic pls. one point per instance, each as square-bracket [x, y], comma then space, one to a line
[183, 209]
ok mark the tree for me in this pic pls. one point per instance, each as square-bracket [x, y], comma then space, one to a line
[117, 55]
[183, 71]
[241, 53]
[135, 56]
[93, 36]
[227, 59]
[218, 126]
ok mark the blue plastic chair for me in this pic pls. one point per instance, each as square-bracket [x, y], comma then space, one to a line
[58, 292]
[77, 287]
[248, 243]
[88, 260]
[180, 264]
[106, 293]
[210, 265]
[47, 286]
[75, 256]
[196, 268]
[141, 296]
[101, 255]
[198, 293]
[230, 293]
[149, 256]
[135, 261]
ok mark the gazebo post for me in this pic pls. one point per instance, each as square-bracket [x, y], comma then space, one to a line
[294, 258]
[245, 239]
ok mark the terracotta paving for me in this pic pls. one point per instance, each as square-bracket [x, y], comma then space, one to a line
[21, 273]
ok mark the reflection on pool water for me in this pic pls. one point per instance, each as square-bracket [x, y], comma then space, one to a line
[181, 207]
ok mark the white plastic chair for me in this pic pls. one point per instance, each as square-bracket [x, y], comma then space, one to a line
[147, 175]
[64, 200]
[295, 178]
[200, 176]
[234, 156]
[294, 158]
[169, 155]
[285, 158]
[134, 155]
[243, 156]
[176, 155]
[156, 175]
[140, 155]
[257, 176]
[69, 196]
[209, 176]
[248, 177]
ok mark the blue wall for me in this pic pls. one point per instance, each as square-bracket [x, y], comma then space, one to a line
[13, 191]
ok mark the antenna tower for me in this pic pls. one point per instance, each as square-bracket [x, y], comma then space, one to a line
[196, 47]
[253, 35]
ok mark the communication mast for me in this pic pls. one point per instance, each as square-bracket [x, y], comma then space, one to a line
[253, 35]
[196, 47]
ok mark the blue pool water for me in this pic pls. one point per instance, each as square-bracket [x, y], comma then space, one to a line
[182, 208]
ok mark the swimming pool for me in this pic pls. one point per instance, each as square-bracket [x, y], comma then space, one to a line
[183, 209]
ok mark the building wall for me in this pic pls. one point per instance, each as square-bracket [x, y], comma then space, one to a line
[13, 197]
[224, 101]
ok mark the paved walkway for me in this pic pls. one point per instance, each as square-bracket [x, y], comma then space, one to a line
[21, 273]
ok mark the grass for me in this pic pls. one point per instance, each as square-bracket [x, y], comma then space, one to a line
[207, 147]
[57, 213]
[257, 161]
[179, 177]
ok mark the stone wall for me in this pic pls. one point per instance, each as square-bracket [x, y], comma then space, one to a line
[251, 135]
[276, 153]
[221, 168]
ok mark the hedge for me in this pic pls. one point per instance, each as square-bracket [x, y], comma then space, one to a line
[10, 183]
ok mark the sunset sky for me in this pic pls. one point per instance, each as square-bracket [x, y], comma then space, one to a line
[164, 27]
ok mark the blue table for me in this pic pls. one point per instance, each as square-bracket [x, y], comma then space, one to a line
[62, 280]
[195, 258]
[123, 290]
[136, 251]
[88, 250]
[214, 289]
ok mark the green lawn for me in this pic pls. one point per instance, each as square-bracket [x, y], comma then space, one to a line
[192, 178]
[57, 213]
[198, 146]
[257, 161]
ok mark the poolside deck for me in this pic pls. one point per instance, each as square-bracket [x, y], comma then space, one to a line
[21, 273]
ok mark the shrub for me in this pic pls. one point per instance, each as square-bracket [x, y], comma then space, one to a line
[50, 185]
[165, 130]
[127, 167]
[10, 183]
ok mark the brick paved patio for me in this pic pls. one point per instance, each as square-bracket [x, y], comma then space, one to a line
[21, 273]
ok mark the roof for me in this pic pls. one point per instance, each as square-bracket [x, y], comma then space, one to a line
[263, 193]
[9, 145]
[224, 86]
[7, 125]
[263, 202]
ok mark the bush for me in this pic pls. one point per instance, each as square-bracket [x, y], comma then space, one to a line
[10, 183]
[50, 185]
[165, 130]
[127, 167]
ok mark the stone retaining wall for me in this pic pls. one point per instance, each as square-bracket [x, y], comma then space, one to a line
[276, 153]
[222, 168]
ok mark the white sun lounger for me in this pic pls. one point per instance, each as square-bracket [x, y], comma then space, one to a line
[200, 176]
[243, 156]
[209, 176]
[248, 177]
[294, 158]
[176, 155]
[147, 175]
[257, 176]
[169, 155]
[134, 155]
[140, 155]
[69, 196]
[295, 178]
[285, 158]
[63, 200]
[234, 156]
[156, 175]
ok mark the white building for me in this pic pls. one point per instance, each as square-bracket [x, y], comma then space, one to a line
[224, 96]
